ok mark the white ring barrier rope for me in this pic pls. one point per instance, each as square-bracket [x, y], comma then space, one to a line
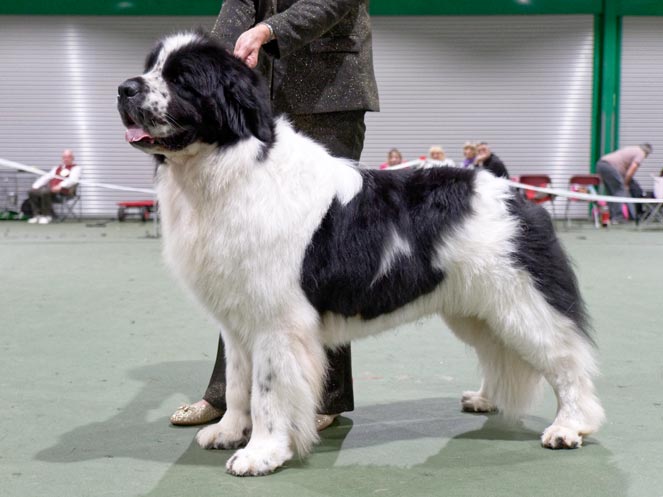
[29, 169]
[412, 163]
[586, 196]
[552, 191]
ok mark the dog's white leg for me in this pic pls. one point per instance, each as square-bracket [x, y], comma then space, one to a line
[579, 411]
[508, 382]
[473, 332]
[288, 373]
[554, 345]
[234, 428]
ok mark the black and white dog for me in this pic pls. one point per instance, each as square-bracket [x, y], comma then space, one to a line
[292, 250]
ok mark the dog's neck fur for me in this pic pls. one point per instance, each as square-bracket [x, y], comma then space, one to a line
[204, 172]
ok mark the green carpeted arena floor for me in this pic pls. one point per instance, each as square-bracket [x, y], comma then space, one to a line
[99, 345]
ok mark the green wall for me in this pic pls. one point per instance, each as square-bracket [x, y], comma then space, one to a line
[378, 7]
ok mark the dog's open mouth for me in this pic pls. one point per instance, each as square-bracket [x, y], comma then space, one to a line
[141, 135]
[136, 135]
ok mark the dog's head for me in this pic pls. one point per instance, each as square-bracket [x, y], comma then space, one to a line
[192, 91]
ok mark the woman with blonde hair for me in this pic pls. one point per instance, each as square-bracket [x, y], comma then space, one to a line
[437, 157]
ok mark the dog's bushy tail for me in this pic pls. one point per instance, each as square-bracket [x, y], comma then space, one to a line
[517, 384]
[307, 380]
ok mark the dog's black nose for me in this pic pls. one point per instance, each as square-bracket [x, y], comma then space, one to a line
[130, 88]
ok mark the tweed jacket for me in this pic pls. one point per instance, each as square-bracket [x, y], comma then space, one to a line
[321, 59]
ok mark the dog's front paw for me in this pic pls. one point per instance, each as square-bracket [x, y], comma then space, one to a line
[473, 402]
[218, 436]
[561, 437]
[257, 461]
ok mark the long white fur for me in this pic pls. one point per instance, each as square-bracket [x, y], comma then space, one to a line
[235, 233]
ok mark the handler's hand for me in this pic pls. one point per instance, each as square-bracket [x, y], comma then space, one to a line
[249, 43]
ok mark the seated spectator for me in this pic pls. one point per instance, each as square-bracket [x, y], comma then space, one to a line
[437, 157]
[59, 182]
[489, 161]
[469, 154]
[394, 158]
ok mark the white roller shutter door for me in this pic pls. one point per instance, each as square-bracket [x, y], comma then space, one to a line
[58, 87]
[522, 83]
[641, 94]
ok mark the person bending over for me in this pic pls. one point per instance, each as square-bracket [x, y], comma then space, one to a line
[617, 170]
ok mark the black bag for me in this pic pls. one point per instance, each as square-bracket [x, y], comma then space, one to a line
[26, 208]
[636, 191]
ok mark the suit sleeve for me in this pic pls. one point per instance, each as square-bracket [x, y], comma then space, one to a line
[236, 16]
[303, 22]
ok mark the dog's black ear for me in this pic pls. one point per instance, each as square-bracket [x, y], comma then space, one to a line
[240, 99]
[234, 99]
[250, 107]
[151, 58]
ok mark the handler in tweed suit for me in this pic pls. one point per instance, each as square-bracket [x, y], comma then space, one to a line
[318, 60]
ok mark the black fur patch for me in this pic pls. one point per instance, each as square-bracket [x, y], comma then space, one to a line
[217, 95]
[539, 251]
[343, 259]
[152, 57]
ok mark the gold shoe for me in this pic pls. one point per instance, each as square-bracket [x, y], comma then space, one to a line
[323, 421]
[195, 414]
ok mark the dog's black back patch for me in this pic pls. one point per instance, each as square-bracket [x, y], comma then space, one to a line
[398, 216]
[539, 251]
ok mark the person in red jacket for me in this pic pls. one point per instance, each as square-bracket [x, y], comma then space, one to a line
[59, 182]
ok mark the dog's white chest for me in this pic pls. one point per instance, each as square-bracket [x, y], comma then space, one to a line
[240, 257]
[204, 250]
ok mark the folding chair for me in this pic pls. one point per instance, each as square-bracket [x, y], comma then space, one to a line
[68, 204]
[542, 181]
[655, 212]
[584, 183]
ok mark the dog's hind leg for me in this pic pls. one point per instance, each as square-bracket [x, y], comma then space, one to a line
[288, 374]
[569, 371]
[234, 428]
[554, 345]
[508, 382]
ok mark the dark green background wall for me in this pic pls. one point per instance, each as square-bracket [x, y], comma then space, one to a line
[378, 7]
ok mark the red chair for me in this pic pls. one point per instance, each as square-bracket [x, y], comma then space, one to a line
[584, 183]
[542, 181]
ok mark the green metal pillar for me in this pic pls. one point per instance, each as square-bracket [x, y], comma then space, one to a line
[608, 33]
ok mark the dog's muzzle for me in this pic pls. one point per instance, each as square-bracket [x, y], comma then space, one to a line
[130, 98]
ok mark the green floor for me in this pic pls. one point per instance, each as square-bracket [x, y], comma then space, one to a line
[99, 346]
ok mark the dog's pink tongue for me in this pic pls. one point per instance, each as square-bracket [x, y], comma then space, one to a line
[136, 134]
